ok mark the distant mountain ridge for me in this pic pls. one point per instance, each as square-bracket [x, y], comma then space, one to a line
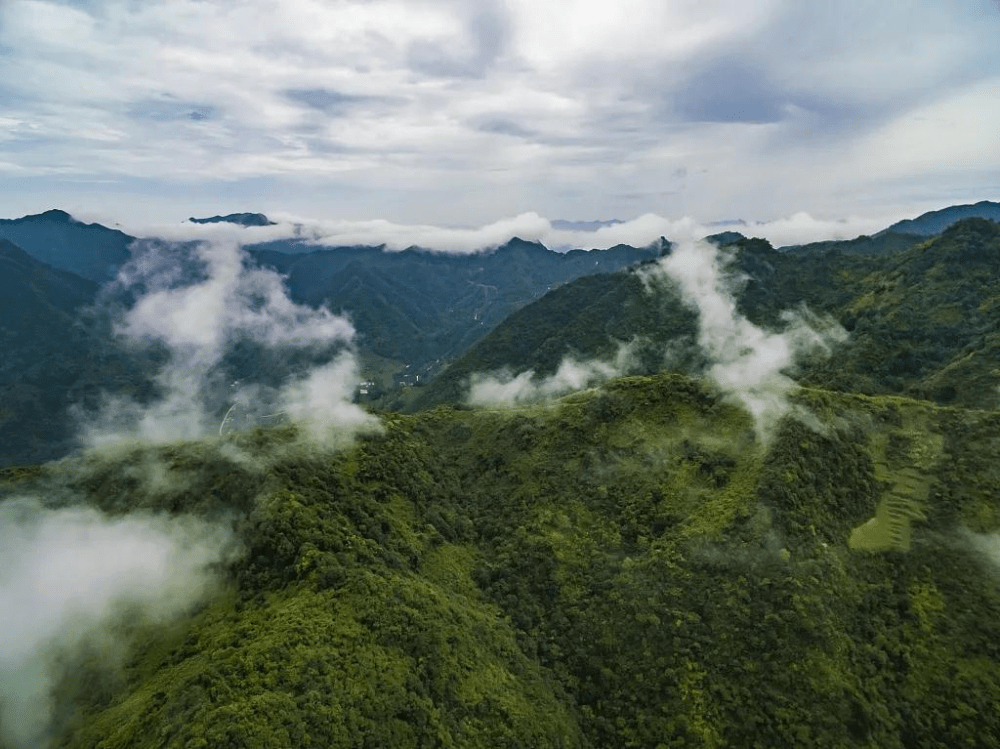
[931, 335]
[923, 322]
[241, 219]
[424, 308]
[92, 251]
[935, 222]
[50, 360]
[882, 244]
[567, 225]
[413, 311]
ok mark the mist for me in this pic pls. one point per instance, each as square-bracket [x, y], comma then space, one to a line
[506, 390]
[749, 364]
[985, 544]
[638, 231]
[201, 305]
[64, 576]
[202, 312]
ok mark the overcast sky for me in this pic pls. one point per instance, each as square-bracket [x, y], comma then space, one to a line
[467, 112]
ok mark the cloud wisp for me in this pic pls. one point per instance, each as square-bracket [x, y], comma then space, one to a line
[214, 314]
[506, 390]
[798, 228]
[64, 576]
[69, 573]
[747, 363]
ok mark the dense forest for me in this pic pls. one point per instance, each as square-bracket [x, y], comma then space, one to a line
[628, 566]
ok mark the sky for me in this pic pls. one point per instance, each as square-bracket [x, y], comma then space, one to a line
[472, 113]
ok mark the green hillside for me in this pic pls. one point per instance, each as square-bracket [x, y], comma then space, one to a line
[927, 323]
[922, 321]
[627, 567]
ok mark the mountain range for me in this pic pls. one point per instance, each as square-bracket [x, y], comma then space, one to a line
[935, 222]
[416, 312]
[922, 321]
[641, 561]
[240, 219]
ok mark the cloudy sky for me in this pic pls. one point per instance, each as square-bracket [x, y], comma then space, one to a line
[466, 112]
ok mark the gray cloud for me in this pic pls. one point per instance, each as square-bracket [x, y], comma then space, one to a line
[336, 103]
[506, 126]
[168, 109]
[450, 111]
[730, 89]
[485, 32]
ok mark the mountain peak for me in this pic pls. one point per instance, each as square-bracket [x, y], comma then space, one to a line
[241, 219]
[523, 244]
[723, 238]
[53, 215]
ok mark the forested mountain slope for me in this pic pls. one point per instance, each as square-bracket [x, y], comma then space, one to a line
[92, 251]
[627, 567]
[412, 311]
[935, 222]
[922, 322]
[419, 307]
[49, 359]
[927, 323]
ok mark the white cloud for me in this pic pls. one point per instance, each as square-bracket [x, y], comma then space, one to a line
[457, 112]
[505, 390]
[799, 228]
[747, 363]
[628, 30]
[198, 303]
[64, 573]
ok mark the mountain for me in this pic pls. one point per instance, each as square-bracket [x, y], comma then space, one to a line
[626, 567]
[241, 219]
[922, 321]
[54, 237]
[725, 237]
[44, 349]
[413, 311]
[884, 243]
[586, 318]
[635, 564]
[926, 324]
[421, 308]
[935, 222]
[417, 311]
